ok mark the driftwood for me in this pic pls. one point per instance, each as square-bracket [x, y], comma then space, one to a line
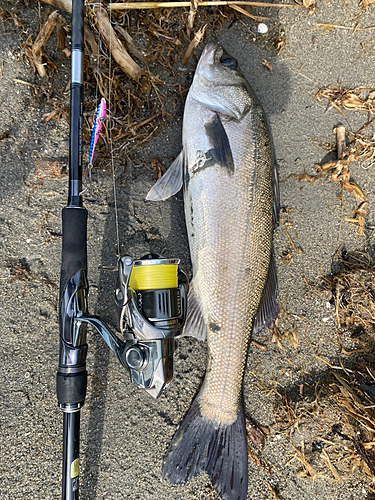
[61, 4]
[114, 45]
[41, 40]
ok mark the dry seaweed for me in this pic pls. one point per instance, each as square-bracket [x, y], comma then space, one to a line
[353, 292]
[341, 97]
[330, 420]
[330, 430]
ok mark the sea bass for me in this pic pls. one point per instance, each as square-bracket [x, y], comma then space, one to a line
[226, 167]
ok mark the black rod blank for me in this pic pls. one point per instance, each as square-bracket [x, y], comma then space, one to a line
[71, 428]
[72, 376]
[76, 106]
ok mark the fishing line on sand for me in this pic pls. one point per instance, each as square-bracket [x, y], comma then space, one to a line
[111, 144]
[103, 109]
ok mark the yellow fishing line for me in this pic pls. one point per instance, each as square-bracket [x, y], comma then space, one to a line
[154, 277]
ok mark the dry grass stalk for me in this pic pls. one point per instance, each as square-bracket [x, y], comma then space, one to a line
[198, 37]
[131, 45]
[308, 467]
[115, 46]
[245, 13]
[309, 3]
[191, 16]
[157, 5]
[41, 40]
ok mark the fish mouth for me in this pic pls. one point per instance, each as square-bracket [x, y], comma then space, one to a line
[211, 53]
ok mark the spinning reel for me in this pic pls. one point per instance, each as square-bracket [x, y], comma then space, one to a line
[150, 297]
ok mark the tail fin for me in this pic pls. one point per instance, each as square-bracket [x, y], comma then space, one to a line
[220, 450]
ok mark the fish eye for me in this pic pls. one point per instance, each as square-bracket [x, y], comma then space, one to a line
[228, 61]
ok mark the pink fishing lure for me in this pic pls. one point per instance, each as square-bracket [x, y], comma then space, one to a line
[98, 123]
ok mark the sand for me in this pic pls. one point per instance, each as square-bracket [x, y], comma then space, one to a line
[124, 431]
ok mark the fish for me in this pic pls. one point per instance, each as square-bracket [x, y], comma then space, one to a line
[228, 173]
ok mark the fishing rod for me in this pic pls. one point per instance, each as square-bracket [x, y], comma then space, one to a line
[150, 295]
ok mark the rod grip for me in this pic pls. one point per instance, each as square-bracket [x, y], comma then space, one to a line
[71, 388]
[74, 244]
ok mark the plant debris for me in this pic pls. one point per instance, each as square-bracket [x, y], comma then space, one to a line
[353, 292]
[288, 226]
[150, 43]
[361, 149]
[329, 417]
[365, 3]
[342, 97]
[20, 270]
[324, 449]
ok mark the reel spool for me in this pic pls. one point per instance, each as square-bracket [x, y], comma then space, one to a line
[151, 296]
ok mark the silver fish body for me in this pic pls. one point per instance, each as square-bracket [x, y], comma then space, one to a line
[227, 169]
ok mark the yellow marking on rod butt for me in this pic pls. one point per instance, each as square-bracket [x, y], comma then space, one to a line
[74, 468]
[154, 277]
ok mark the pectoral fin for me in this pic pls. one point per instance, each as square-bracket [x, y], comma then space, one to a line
[170, 183]
[219, 142]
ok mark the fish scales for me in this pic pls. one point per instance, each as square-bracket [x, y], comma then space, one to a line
[227, 170]
[230, 236]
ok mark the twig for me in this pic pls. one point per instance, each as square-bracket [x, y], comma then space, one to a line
[156, 5]
[191, 16]
[131, 45]
[62, 4]
[198, 37]
[41, 40]
[114, 45]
